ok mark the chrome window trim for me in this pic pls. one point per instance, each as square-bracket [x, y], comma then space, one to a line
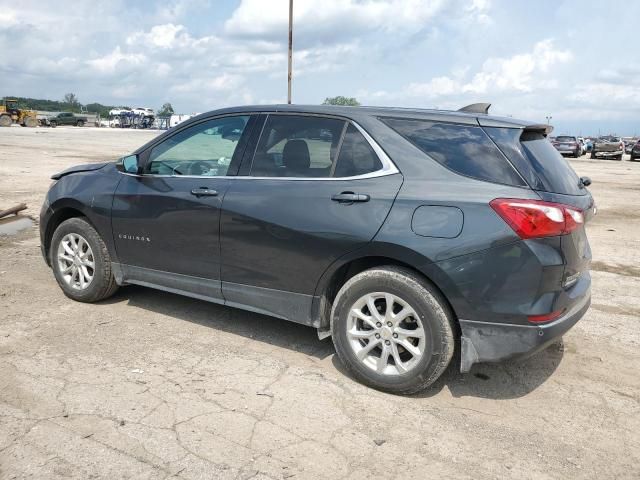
[388, 167]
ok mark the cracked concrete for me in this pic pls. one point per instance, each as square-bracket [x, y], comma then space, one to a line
[153, 385]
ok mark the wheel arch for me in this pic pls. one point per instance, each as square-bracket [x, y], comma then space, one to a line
[377, 255]
[63, 210]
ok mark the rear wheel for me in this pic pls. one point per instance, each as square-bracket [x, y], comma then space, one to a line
[619, 157]
[5, 121]
[392, 330]
[81, 262]
[593, 154]
[576, 154]
[80, 123]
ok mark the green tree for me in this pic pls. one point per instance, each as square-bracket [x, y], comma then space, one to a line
[72, 100]
[166, 110]
[340, 100]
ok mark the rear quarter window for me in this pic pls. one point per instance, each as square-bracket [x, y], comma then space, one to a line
[537, 160]
[464, 149]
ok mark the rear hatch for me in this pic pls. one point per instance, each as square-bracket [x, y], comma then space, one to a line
[554, 180]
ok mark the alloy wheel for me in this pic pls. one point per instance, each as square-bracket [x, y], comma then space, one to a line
[76, 261]
[385, 333]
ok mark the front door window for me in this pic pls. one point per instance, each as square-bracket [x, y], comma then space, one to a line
[205, 149]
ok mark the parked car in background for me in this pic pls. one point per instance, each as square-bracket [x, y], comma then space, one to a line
[65, 118]
[145, 112]
[119, 111]
[608, 147]
[629, 143]
[635, 151]
[402, 234]
[568, 145]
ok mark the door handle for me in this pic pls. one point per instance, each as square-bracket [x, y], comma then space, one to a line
[204, 192]
[350, 197]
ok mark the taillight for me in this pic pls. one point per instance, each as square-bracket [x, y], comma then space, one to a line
[546, 317]
[536, 218]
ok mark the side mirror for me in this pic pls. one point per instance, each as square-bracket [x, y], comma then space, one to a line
[129, 164]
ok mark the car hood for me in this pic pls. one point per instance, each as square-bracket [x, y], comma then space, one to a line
[88, 167]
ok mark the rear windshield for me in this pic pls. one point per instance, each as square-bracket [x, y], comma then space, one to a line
[537, 160]
[464, 149]
[565, 139]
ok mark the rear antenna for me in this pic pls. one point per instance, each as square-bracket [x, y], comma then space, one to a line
[476, 108]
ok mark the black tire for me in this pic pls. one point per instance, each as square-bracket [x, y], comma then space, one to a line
[593, 154]
[103, 284]
[80, 123]
[433, 310]
[619, 157]
[576, 154]
[53, 124]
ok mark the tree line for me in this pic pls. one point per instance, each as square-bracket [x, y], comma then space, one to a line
[70, 103]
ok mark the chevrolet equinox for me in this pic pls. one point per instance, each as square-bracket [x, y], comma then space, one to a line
[403, 234]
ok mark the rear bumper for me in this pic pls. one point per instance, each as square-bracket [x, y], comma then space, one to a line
[495, 342]
[608, 154]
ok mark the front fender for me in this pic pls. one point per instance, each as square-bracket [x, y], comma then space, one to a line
[88, 194]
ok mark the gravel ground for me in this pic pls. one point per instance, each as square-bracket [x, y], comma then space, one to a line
[153, 385]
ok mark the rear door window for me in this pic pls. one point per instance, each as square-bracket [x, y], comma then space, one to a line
[466, 150]
[537, 160]
[297, 146]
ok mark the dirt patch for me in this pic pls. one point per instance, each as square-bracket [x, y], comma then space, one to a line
[634, 312]
[627, 270]
[617, 213]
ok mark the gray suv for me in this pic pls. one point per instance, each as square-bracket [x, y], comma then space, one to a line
[406, 235]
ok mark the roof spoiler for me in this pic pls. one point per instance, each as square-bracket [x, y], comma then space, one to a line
[476, 108]
[540, 128]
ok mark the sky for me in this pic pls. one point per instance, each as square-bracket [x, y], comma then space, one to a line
[575, 61]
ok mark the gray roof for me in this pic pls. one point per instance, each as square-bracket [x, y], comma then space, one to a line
[356, 112]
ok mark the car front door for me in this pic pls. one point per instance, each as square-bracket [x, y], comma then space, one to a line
[166, 220]
[315, 189]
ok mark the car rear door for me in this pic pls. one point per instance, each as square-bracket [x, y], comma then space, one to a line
[310, 189]
[166, 221]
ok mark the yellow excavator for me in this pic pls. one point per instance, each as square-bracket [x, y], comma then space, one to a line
[10, 114]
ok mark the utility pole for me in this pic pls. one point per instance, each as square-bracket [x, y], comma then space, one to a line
[290, 51]
[548, 117]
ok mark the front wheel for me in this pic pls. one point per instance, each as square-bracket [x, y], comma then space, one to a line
[53, 124]
[81, 262]
[593, 155]
[392, 330]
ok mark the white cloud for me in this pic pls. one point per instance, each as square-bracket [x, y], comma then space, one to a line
[117, 60]
[200, 54]
[521, 72]
[330, 19]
